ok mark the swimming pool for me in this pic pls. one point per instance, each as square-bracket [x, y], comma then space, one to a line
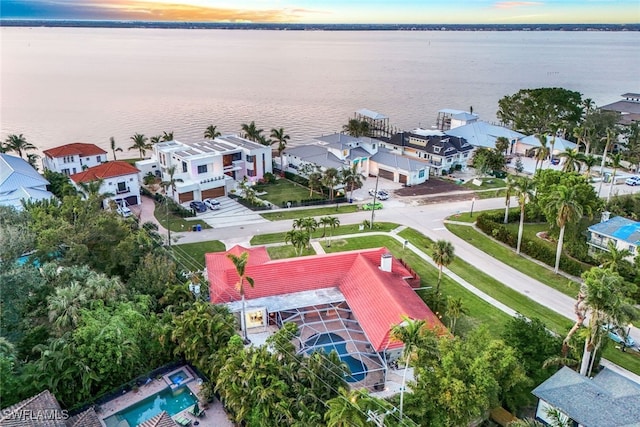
[178, 377]
[172, 401]
[330, 342]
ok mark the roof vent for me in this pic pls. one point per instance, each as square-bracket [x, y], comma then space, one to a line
[385, 262]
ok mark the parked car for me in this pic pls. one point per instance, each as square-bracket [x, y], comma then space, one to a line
[124, 211]
[212, 204]
[371, 206]
[618, 335]
[198, 206]
[633, 181]
[382, 194]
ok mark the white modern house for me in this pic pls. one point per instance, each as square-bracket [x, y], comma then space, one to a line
[207, 168]
[342, 151]
[119, 180]
[623, 232]
[73, 158]
[19, 181]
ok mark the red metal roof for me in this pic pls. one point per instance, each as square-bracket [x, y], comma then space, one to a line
[378, 299]
[81, 148]
[105, 170]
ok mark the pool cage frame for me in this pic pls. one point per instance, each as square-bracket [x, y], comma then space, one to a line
[337, 318]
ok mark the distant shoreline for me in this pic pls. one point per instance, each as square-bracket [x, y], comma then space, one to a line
[316, 27]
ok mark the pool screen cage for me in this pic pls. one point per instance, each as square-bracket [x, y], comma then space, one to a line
[337, 318]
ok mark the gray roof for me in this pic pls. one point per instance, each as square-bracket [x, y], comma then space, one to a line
[19, 180]
[339, 140]
[483, 134]
[623, 107]
[560, 144]
[388, 158]
[608, 400]
[371, 114]
[465, 116]
[620, 228]
[358, 153]
[14, 416]
[316, 154]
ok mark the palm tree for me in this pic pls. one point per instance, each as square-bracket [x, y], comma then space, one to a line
[156, 139]
[589, 162]
[443, 255]
[565, 202]
[32, 159]
[211, 132]
[609, 140]
[357, 128]
[524, 192]
[167, 136]
[251, 132]
[613, 257]
[324, 222]
[334, 223]
[330, 180]
[298, 238]
[90, 190]
[511, 186]
[170, 184]
[114, 148]
[65, 305]
[573, 160]
[240, 263]
[502, 145]
[352, 179]
[140, 143]
[454, 310]
[354, 408]
[308, 224]
[541, 152]
[18, 144]
[281, 138]
[315, 182]
[616, 159]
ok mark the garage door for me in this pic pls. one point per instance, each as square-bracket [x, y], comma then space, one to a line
[212, 193]
[131, 200]
[385, 174]
[403, 178]
[185, 197]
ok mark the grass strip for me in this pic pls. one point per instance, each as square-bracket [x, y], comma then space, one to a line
[301, 213]
[175, 223]
[263, 239]
[193, 253]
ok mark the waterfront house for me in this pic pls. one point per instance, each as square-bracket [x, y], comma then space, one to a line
[606, 400]
[560, 145]
[623, 232]
[482, 134]
[628, 108]
[19, 182]
[119, 181]
[355, 297]
[73, 158]
[207, 168]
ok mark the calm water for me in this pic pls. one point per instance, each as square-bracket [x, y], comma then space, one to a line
[62, 85]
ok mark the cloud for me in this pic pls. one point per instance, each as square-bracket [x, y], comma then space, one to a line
[514, 4]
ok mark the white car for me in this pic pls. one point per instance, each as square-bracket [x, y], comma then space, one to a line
[124, 211]
[633, 181]
[212, 204]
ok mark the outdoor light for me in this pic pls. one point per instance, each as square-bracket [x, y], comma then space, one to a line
[472, 202]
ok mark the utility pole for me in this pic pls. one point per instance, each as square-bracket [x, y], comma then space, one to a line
[375, 196]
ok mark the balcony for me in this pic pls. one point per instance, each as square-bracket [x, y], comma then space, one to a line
[599, 243]
[235, 166]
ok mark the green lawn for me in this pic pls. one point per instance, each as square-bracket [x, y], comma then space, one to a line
[283, 191]
[263, 239]
[175, 222]
[487, 183]
[530, 230]
[300, 213]
[287, 251]
[507, 256]
[491, 194]
[192, 254]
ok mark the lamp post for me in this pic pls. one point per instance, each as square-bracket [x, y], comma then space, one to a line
[472, 202]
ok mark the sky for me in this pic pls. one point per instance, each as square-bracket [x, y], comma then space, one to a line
[332, 11]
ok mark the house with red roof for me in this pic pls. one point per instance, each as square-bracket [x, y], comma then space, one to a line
[119, 181]
[348, 301]
[73, 158]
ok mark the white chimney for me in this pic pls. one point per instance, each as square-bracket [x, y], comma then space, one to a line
[385, 262]
[605, 216]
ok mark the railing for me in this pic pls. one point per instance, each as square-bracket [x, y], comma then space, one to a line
[600, 243]
[124, 190]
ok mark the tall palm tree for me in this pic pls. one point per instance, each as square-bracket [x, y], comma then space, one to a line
[156, 139]
[240, 263]
[613, 257]
[309, 225]
[524, 192]
[315, 182]
[167, 136]
[616, 159]
[511, 186]
[18, 144]
[541, 152]
[574, 159]
[169, 184]
[298, 238]
[334, 223]
[251, 132]
[502, 145]
[455, 309]
[609, 140]
[568, 208]
[352, 179]
[443, 255]
[211, 132]
[32, 159]
[330, 180]
[140, 143]
[324, 222]
[589, 162]
[114, 148]
[281, 138]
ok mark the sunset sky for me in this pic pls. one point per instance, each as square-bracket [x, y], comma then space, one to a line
[331, 11]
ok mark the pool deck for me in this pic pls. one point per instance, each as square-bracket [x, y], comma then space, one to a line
[214, 415]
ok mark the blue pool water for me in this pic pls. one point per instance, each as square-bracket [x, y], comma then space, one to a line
[178, 377]
[332, 342]
[172, 401]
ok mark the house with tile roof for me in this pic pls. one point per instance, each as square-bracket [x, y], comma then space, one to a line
[628, 108]
[207, 168]
[443, 152]
[623, 232]
[19, 182]
[43, 410]
[356, 297]
[73, 158]
[606, 400]
[119, 181]
[343, 151]
[163, 419]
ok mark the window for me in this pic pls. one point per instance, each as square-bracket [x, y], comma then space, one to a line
[122, 187]
[202, 169]
[373, 146]
[67, 159]
[66, 172]
[184, 166]
[421, 173]
[98, 159]
[436, 149]
[632, 249]
[251, 158]
[251, 172]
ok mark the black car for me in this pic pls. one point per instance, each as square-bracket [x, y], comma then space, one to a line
[198, 206]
